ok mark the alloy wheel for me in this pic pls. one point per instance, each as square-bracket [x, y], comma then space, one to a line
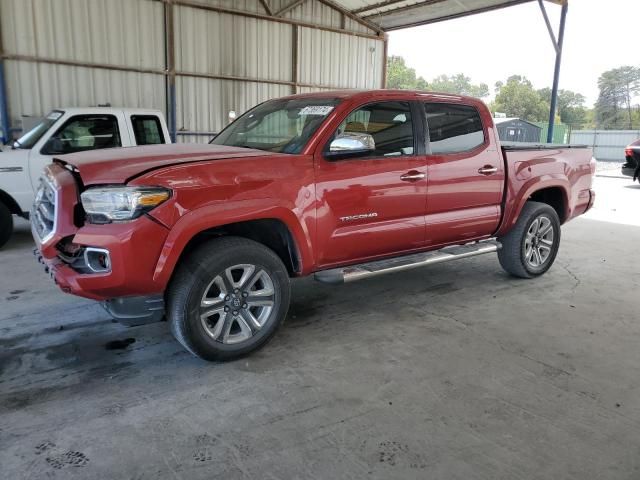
[237, 303]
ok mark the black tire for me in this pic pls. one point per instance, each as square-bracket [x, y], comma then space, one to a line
[519, 241]
[6, 224]
[198, 280]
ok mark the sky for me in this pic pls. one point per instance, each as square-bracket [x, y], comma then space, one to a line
[599, 35]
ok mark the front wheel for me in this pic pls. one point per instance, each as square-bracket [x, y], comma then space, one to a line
[530, 248]
[228, 298]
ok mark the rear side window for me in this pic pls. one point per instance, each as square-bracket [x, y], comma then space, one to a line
[147, 129]
[453, 128]
[84, 132]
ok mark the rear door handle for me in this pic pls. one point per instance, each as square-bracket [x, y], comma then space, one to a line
[412, 176]
[488, 170]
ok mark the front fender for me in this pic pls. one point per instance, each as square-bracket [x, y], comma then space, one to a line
[216, 215]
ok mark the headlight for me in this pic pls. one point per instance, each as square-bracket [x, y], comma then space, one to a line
[113, 204]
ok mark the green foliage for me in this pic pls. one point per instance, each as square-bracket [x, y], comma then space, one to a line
[518, 98]
[570, 106]
[458, 84]
[614, 107]
[399, 75]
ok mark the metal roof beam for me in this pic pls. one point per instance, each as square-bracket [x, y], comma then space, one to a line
[549, 27]
[353, 16]
[375, 6]
[286, 8]
[266, 7]
[403, 8]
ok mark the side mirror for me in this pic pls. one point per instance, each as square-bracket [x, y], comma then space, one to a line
[351, 145]
[232, 115]
[54, 146]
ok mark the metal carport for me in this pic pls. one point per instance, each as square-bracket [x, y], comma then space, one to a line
[178, 55]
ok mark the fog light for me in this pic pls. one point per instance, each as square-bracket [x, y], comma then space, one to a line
[97, 259]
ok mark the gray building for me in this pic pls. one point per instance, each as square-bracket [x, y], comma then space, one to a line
[517, 130]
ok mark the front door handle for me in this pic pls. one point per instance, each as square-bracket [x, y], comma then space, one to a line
[488, 170]
[412, 176]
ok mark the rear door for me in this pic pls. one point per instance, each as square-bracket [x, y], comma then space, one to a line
[465, 174]
[373, 204]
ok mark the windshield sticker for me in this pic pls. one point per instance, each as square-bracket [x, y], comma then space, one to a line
[54, 115]
[316, 110]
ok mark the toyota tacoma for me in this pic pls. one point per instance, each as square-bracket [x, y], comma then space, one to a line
[339, 185]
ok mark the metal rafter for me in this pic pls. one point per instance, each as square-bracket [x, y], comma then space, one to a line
[352, 16]
[375, 6]
[266, 7]
[289, 7]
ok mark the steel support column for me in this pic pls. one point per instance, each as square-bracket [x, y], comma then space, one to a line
[4, 107]
[4, 100]
[556, 72]
[171, 68]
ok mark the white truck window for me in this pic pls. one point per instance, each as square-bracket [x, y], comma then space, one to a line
[84, 132]
[147, 129]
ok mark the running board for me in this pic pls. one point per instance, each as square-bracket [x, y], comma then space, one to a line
[397, 264]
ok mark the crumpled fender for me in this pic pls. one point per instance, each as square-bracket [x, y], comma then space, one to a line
[216, 215]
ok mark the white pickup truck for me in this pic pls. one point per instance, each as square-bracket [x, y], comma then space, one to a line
[68, 130]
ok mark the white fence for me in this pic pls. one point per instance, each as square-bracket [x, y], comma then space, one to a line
[607, 144]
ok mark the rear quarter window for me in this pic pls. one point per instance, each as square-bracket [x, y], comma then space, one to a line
[453, 128]
[147, 130]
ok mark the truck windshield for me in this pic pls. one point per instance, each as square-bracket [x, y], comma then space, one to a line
[283, 125]
[29, 139]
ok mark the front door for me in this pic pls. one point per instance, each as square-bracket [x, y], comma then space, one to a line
[372, 204]
[465, 175]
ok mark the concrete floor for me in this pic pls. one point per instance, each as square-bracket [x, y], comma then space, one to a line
[451, 372]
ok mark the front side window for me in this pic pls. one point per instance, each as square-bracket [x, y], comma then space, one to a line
[84, 132]
[147, 129]
[453, 128]
[283, 126]
[388, 123]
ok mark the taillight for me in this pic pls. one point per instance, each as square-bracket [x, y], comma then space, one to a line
[628, 152]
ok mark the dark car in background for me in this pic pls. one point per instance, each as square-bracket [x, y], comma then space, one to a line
[631, 166]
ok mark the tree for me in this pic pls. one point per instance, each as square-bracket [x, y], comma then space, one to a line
[518, 98]
[399, 75]
[459, 84]
[617, 87]
[570, 106]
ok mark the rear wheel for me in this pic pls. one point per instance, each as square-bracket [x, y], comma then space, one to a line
[228, 298]
[530, 248]
[6, 224]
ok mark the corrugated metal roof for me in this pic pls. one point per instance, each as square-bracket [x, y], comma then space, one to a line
[396, 14]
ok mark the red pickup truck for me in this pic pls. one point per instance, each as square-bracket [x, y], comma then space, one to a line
[342, 185]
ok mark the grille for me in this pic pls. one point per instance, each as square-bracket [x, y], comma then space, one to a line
[43, 216]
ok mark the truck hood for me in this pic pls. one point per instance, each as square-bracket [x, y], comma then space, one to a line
[120, 165]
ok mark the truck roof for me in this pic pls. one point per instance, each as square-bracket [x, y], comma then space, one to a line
[386, 93]
[93, 110]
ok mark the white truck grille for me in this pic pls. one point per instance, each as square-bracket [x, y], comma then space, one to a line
[43, 215]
